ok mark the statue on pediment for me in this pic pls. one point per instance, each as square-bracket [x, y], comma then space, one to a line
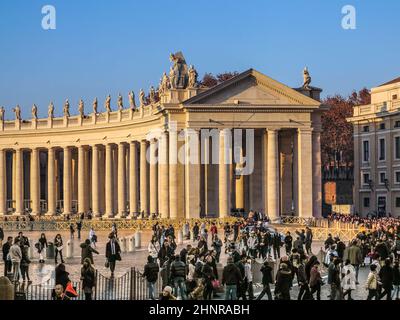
[95, 105]
[66, 109]
[132, 103]
[50, 110]
[193, 75]
[34, 112]
[17, 111]
[180, 71]
[81, 108]
[165, 83]
[120, 102]
[108, 104]
[306, 79]
[152, 95]
[142, 98]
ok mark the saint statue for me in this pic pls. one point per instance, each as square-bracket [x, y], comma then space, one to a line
[165, 84]
[193, 77]
[81, 108]
[152, 95]
[172, 78]
[180, 70]
[50, 111]
[17, 111]
[66, 109]
[142, 98]
[95, 104]
[2, 111]
[108, 104]
[307, 78]
[34, 112]
[132, 103]
[120, 102]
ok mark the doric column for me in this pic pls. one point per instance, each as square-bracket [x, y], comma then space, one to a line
[3, 193]
[305, 175]
[133, 178]
[81, 179]
[51, 183]
[317, 179]
[224, 174]
[95, 181]
[173, 174]
[67, 180]
[164, 175]
[35, 185]
[240, 183]
[109, 182]
[143, 178]
[121, 181]
[153, 177]
[192, 174]
[19, 190]
[273, 175]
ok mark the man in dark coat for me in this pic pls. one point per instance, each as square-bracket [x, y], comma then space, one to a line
[151, 270]
[386, 275]
[308, 240]
[113, 253]
[283, 282]
[87, 251]
[7, 262]
[231, 277]
[267, 279]
[178, 275]
[288, 243]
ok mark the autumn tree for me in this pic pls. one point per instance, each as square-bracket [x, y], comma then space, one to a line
[209, 80]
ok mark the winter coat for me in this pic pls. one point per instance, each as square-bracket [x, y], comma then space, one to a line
[349, 279]
[354, 254]
[178, 269]
[252, 242]
[87, 252]
[372, 281]
[15, 253]
[315, 276]
[151, 270]
[283, 282]
[386, 275]
[231, 275]
[266, 271]
[88, 277]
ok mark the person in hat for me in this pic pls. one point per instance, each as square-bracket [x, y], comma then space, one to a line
[167, 294]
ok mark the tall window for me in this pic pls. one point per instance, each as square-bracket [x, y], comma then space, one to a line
[397, 147]
[382, 177]
[382, 154]
[366, 202]
[366, 150]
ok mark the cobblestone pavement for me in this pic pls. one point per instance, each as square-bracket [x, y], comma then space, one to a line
[139, 258]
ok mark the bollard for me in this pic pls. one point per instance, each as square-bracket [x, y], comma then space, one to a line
[70, 249]
[131, 244]
[6, 289]
[122, 244]
[255, 270]
[138, 239]
[30, 250]
[180, 237]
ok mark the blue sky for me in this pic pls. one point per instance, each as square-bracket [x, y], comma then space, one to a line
[102, 47]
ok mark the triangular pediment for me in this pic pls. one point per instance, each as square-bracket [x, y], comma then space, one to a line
[252, 88]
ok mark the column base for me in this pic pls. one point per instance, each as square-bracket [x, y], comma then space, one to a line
[50, 214]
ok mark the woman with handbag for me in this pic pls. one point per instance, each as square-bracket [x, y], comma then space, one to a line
[58, 244]
[88, 277]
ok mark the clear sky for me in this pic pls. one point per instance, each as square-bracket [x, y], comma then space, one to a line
[101, 47]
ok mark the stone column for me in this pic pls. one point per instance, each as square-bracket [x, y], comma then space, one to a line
[153, 177]
[95, 181]
[81, 179]
[51, 183]
[19, 191]
[305, 175]
[88, 181]
[164, 175]
[133, 178]
[273, 175]
[317, 178]
[224, 174]
[121, 181]
[3, 181]
[115, 180]
[173, 174]
[143, 178]
[35, 182]
[240, 183]
[67, 180]
[192, 174]
[109, 182]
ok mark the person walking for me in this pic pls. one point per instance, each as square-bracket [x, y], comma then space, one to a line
[315, 280]
[266, 271]
[231, 278]
[71, 231]
[25, 261]
[41, 247]
[79, 228]
[396, 280]
[58, 244]
[16, 256]
[354, 254]
[92, 237]
[334, 279]
[208, 278]
[217, 245]
[288, 243]
[113, 253]
[6, 256]
[386, 275]
[304, 293]
[348, 279]
[151, 271]
[88, 277]
[372, 283]
[308, 240]
[196, 231]
[283, 282]
[87, 251]
[178, 275]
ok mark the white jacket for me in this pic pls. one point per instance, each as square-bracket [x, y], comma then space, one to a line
[349, 280]
[247, 272]
[15, 253]
[252, 242]
[153, 250]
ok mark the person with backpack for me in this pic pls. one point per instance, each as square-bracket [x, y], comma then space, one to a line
[151, 270]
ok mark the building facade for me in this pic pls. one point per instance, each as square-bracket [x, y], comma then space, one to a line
[377, 152]
[151, 159]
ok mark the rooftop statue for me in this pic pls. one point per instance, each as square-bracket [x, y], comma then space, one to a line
[66, 109]
[152, 95]
[34, 112]
[142, 98]
[2, 112]
[120, 102]
[50, 111]
[165, 83]
[17, 111]
[193, 77]
[132, 103]
[108, 104]
[307, 79]
[180, 71]
[81, 108]
[95, 105]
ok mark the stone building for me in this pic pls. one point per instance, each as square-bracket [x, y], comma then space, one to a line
[152, 159]
[377, 152]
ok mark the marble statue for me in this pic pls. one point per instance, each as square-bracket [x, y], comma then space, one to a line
[17, 111]
[120, 102]
[2, 112]
[34, 112]
[81, 108]
[152, 95]
[50, 111]
[193, 77]
[165, 84]
[180, 71]
[307, 79]
[172, 78]
[95, 105]
[66, 109]
[132, 103]
[142, 98]
[108, 104]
